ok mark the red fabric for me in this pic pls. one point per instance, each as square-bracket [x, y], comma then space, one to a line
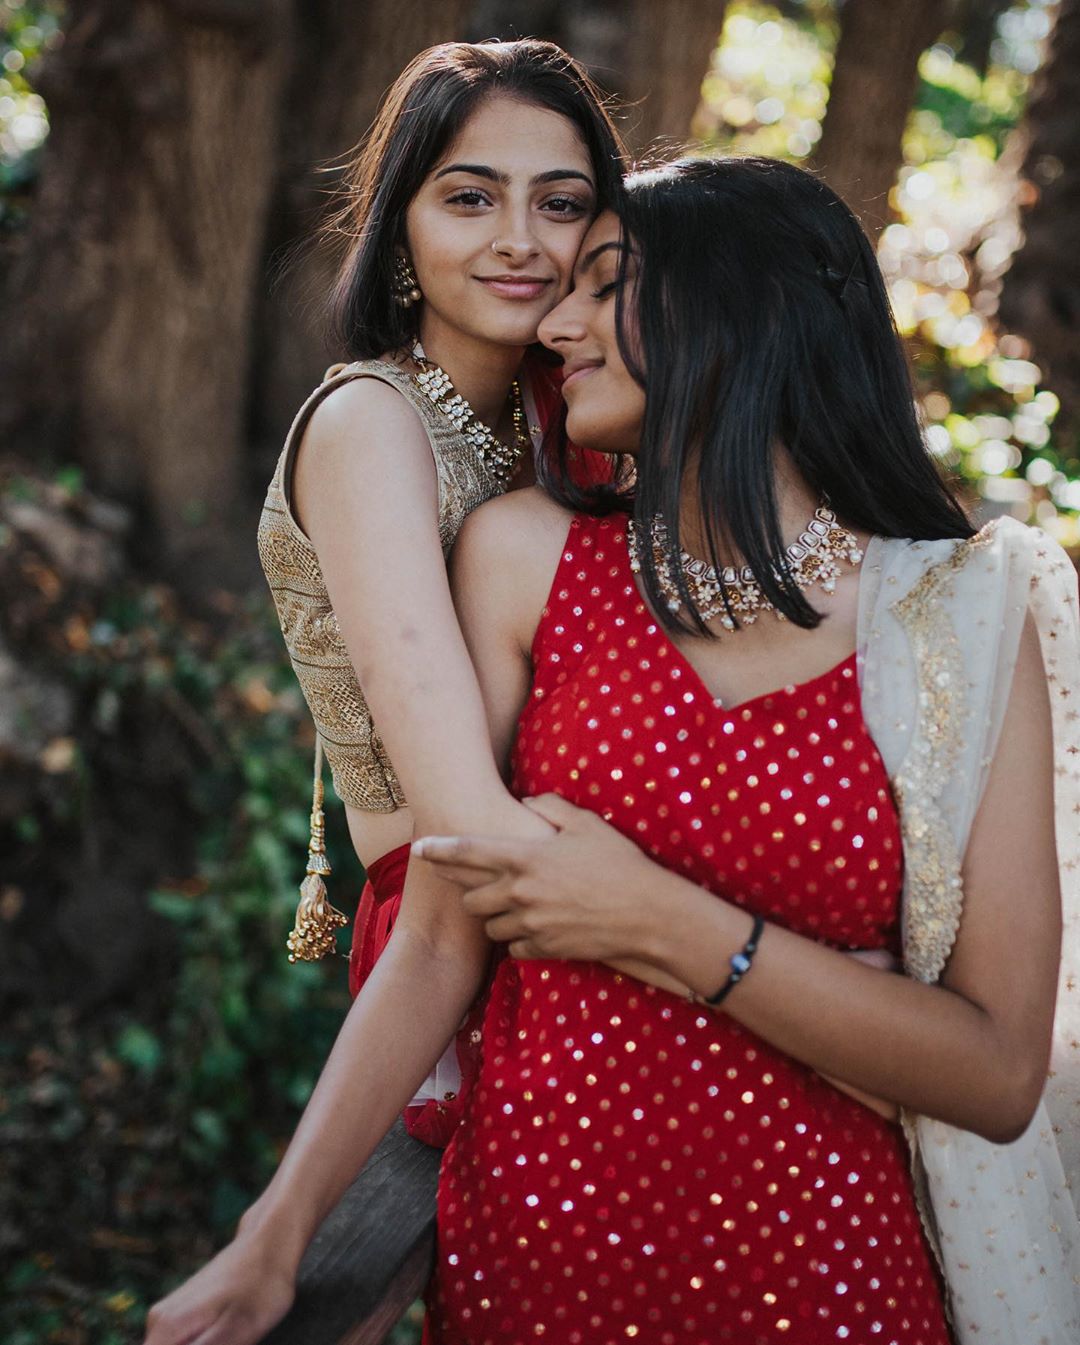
[434, 1121]
[380, 902]
[586, 466]
[635, 1166]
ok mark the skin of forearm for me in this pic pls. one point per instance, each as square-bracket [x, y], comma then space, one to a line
[413, 701]
[397, 1028]
[396, 1032]
[482, 807]
[924, 1047]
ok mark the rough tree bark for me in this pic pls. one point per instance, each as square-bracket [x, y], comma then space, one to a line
[130, 304]
[665, 59]
[1040, 297]
[184, 144]
[873, 87]
[653, 56]
[342, 64]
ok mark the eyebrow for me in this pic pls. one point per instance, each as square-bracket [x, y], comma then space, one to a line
[493, 175]
[594, 253]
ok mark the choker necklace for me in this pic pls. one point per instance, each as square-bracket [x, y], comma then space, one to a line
[500, 459]
[813, 559]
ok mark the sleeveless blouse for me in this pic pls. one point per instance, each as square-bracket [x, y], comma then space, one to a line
[631, 1165]
[363, 774]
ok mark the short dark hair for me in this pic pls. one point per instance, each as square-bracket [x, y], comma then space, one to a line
[760, 318]
[423, 111]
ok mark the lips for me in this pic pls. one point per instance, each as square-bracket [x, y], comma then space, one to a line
[574, 371]
[515, 287]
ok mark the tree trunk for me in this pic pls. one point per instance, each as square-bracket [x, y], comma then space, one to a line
[873, 86]
[343, 63]
[131, 301]
[666, 56]
[1040, 297]
[653, 56]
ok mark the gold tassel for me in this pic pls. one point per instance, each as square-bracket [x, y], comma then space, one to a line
[317, 921]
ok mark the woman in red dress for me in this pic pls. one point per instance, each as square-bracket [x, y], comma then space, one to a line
[637, 1162]
[635, 1165]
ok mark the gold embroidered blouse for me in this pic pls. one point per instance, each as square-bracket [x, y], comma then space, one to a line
[363, 774]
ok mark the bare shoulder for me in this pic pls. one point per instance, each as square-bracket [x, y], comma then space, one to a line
[364, 413]
[524, 526]
[364, 452]
[505, 560]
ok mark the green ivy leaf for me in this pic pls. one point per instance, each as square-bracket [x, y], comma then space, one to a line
[138, 1047]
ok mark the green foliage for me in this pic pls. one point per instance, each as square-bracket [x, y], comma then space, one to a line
[247, 1031]
[140, 1048]
[132, 1139]
[769, 84]
[963, 106]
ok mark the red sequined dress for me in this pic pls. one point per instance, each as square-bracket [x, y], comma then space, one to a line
[632, 1166]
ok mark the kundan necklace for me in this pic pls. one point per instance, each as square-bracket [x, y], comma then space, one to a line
[500, 459]
[732, 593]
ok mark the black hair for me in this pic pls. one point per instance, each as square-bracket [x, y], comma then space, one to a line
[423, 111]
[760, 319]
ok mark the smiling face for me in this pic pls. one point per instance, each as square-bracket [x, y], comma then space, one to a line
[494, 229]
[605, 404]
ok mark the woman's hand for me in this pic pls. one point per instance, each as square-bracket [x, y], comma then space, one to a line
[580, 893]
[234, 1300]
[543, 898]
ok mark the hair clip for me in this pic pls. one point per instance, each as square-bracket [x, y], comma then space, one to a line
[838, 282]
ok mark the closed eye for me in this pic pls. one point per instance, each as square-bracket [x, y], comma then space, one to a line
[566, 205]
[605, 290]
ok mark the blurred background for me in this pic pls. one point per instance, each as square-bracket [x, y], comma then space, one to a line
[161, 163]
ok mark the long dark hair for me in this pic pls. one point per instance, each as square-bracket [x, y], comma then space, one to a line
[423, 111]
[760, 319]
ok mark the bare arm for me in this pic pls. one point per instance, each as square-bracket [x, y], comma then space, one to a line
[396, 1029]
[501, 571]
[369, 501]
[974, 1050]
[367, 494]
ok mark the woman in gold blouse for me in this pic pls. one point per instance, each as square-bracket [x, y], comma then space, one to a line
[467, 205]
[466, 208]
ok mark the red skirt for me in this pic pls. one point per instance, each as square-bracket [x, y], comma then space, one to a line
[433, 1121]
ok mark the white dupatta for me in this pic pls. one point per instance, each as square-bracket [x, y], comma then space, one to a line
[939, 628]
